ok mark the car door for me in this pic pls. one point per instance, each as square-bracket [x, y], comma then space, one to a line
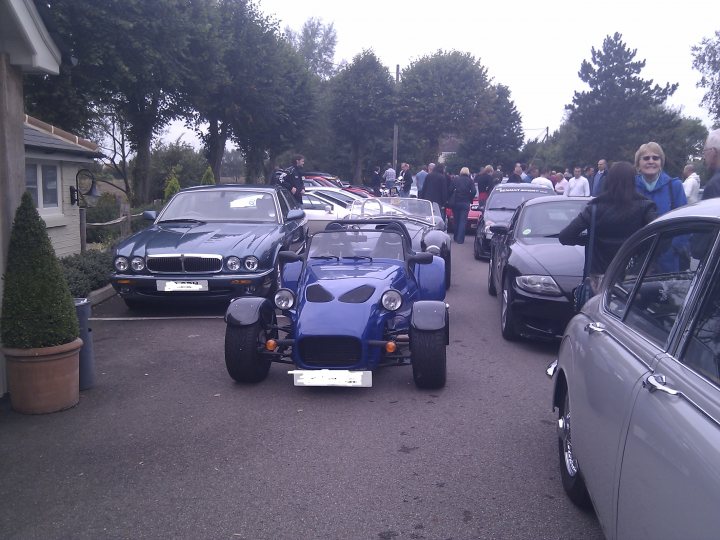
[295, 230]
[609, 361]
[669, 485]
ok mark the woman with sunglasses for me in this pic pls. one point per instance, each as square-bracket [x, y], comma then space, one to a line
[654, 183]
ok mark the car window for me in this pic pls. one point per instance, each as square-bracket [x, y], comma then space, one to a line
[626, 277]
[310, 202]
[221, 205]
[664, 287]
[702, 349]
[547, 219]
[350, 243]
[284, 207]
[509, 200]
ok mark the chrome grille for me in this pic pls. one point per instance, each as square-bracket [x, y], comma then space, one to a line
[322, 351]
[188, 264]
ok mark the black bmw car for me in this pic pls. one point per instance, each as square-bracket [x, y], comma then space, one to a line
[534, 274]
[210, 242]
[499, 207]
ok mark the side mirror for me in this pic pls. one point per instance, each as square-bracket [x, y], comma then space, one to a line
[421, 258]
[296, 213]
[289, 256]
[150, 215]
[328, 209]
[498, 229]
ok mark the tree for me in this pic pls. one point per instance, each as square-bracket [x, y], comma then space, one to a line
[440, 94]
[208, 179]
[706, 59]
[316, 44]
[187, 163]
[362, 93]
[621, 110]
[172, 186]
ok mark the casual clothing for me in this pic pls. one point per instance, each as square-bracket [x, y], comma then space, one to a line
[420, 178]
[389, 177]
[561, 186]
[577, 187]
[515, 179]
[406, 178]
[294, 179]
[485, 184]
[613, 225]
[462, 193]
[598, 181]
[435, 189]
[712, 188]
[542, 181]
[691, 186]
[376, 183]
[667, 193]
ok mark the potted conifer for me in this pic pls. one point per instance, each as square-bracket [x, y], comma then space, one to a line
[39, 327]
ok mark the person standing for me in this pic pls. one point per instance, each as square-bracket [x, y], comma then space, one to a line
[691, 184]
[654, 183]
[543, 179]
[485, 183]
[376, 181]
[711, 155]
[422, 173]
[462, 193]
[597, 185]
[435, 188]
[389, 177]
[405, 179]
[516, 176]
[578, 185]
[293, 180]
[561, 184]
[619, 211]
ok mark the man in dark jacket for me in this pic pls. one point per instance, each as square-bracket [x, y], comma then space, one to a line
[293, 180]
[435, 187]
[711, 154]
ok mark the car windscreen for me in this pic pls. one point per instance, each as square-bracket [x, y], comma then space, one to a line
[356, 244]
[393, 206]
[548, 219]
[221, 205]
[510, 200]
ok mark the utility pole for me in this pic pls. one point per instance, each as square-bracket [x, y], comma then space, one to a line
[395, 128]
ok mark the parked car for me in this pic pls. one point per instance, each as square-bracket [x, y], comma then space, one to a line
[331, 179]
[637, 384]
[422, 218]
[320, 211]
[385, 301]
[210, 242]
[474, 215]
[535, 274]
[336, 195]
[499, 208]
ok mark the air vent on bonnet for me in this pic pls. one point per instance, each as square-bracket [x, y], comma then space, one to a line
[317, 293]
[358, 295]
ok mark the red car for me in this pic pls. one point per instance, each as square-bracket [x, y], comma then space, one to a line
[474, 215]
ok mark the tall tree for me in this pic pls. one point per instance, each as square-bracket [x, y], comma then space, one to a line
[621, 110]
[706, 59]
[362, 94]
[316, 44]
[441, 93]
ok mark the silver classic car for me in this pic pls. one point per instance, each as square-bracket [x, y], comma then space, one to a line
[637, 384]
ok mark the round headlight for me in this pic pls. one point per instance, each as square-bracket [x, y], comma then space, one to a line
[137, 264]
[284, 299]
[121, 264]
[233, 264]
[251, 263]
[391, 300]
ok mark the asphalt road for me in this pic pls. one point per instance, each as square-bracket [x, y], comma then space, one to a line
[166, 445]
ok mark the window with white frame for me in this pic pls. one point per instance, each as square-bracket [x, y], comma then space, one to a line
[42, 180]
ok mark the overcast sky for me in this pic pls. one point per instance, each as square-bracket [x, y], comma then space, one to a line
[535, 48]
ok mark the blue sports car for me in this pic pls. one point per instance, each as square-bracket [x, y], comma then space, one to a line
[358, 299]
[210, 242]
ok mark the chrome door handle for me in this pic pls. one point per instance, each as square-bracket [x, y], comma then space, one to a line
[657, 382]
[594, 327]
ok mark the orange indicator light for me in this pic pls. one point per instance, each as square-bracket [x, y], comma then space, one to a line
[271, 344]
[390, 347]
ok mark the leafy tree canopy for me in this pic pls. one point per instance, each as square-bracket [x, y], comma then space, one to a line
[706, 59]
[316, 44]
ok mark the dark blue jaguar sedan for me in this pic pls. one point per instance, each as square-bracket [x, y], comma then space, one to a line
[210, 242]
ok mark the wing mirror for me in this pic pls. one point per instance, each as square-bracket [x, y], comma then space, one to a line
[328, 209]
[150, 215]
[498, 229]
[289, 256]
[421, 258]
[296, 213]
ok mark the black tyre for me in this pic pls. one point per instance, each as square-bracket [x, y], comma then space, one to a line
[448, 269]
[133, 304]
[492, 290]
[476, 249]
[429, 361]
[243, 358]
[572, 479]
[507, 318]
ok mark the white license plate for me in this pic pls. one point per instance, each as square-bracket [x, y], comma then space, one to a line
[331, 377]
[165, 285]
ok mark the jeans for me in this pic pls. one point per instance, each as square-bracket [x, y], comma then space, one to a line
[460, 213]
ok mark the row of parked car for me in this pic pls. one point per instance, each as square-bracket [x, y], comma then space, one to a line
[636, 384]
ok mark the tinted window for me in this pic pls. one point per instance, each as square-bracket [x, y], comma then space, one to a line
[664, 287]
[702, 350]
[510, 200]
[547, 219]
[625, 279]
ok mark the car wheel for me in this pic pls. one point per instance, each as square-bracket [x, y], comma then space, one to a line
[448, 269]
[492, 291]
[572, 480]
[133, 304]
[429, 362]
[476, 249]
[507, 318]
[243, 359]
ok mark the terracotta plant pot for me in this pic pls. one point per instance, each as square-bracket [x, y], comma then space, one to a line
[44, 380]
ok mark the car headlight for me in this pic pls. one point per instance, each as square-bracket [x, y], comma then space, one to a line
[435, 250]
[121, 264]
[391, 300]
[538, 285]
[284, 299]
[488, 224]
[233, 264]
[251, 263]
[137, 264]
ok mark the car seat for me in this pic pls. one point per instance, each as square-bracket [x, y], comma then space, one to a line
[265, 207]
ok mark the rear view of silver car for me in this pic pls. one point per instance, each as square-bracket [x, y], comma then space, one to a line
[637, 385]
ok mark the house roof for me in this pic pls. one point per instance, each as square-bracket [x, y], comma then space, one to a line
[25, 38]
[50, 139]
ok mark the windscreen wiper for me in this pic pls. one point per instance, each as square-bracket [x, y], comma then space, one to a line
[180, 220]
[357, 257]
[325, 257]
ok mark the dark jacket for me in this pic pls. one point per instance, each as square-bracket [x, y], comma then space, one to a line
[406, 178]
[294, 179]
[712, 188]
[435, 189]
[484, 183]
[613, 225]
[462, 189]
[667, 194]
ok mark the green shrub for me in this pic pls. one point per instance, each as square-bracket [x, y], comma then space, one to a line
[37, 308]
[106, 209]
[85, 272]
[208, 178]
[172, 186]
